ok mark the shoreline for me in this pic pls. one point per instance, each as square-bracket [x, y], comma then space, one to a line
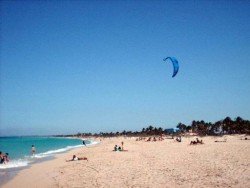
[6, 174]
[146, 164]
[10, 173]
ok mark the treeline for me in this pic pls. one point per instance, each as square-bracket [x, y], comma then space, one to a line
[225, 126]
[150, 130]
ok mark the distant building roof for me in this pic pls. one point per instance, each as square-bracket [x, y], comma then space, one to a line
[172, 130]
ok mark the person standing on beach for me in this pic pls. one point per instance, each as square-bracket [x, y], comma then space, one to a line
[33, 150]
[83, 142]
[122, 146]
[6, 158]
[1, 158]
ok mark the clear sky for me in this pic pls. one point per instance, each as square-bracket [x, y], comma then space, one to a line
[91, 66]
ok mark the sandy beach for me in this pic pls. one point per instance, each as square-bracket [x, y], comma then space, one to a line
[146, 164]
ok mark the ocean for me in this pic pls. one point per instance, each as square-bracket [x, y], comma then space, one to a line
[19, 148]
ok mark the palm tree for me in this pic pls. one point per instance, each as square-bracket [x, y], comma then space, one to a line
[160, 130]
[143, 130]
[78, 134]
[182, 127]
[194, 126]
[217, 127]
[149, 129]
[155, 131]
[188, 128]
[239, 125]
[227, 125]
[247, 126]
[202, 127]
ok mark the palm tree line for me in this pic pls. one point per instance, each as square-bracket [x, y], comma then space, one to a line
[225, 126]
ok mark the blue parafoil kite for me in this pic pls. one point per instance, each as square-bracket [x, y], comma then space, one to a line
[175, 64]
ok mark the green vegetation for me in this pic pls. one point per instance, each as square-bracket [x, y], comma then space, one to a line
[225, 126]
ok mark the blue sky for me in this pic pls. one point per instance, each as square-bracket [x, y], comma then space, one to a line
[91, 66]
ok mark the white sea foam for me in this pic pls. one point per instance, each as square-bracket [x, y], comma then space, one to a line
[52, 152]
[15, 164]
[93, 143]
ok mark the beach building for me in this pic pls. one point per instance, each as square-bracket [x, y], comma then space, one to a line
[171, 130]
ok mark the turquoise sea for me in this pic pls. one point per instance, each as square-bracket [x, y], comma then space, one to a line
[19, 148]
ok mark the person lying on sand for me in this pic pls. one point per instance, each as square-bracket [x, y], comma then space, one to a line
[199, 141]
[178, 139]
[160, 138]
[193, 142]
[75, 158]
[225, 140]
[196, 142]
[172, 137]
[139, 139]
[244, 138]
[149, 139]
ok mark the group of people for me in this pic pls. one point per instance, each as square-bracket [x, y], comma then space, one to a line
[178, 139]
[140, 139]
[118, 148]
[154, 139]
[4, 158]
[196, 142]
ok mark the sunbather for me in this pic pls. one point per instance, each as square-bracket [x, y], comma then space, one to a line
[196, 142]
[178, 139]
[193, 142]
[75, 158]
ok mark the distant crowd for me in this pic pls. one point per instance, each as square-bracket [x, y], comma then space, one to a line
[154, 139]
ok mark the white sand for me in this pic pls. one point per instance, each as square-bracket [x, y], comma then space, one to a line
[146, 164]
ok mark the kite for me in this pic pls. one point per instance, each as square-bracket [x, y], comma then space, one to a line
[175, 64]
